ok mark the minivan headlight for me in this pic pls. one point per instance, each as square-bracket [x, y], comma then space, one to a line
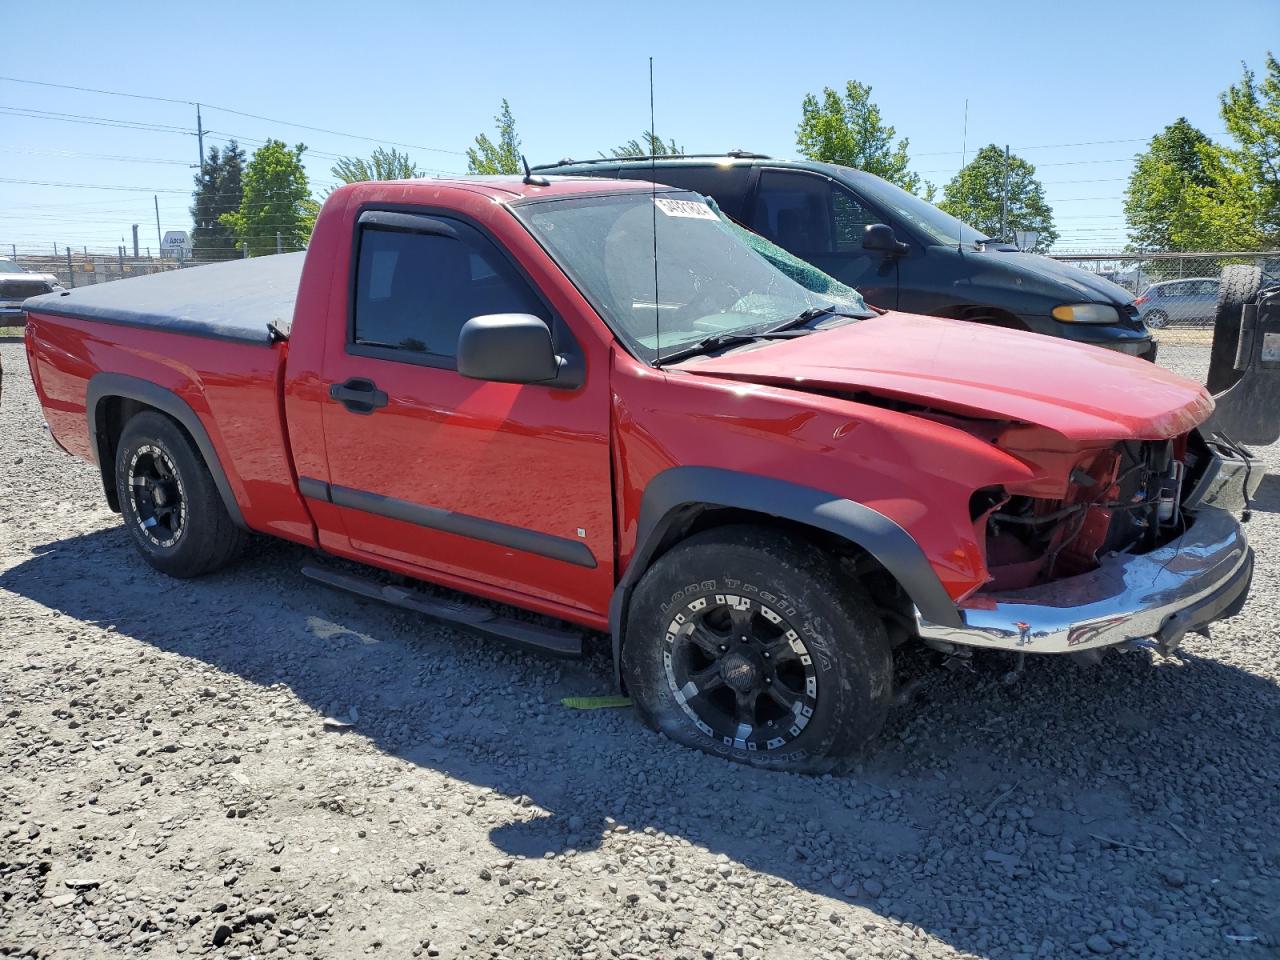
[1086, 313]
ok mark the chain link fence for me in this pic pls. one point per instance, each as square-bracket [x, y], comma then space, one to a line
[1172, 289]
[81, 269]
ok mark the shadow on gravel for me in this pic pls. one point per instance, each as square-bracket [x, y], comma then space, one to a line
[1268, 498]
[1123, 798]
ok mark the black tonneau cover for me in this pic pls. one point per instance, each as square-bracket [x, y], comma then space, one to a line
[242, 300]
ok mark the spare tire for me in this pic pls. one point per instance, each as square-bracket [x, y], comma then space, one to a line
[1239, 285]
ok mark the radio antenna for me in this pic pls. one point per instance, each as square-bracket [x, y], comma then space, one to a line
[653, 193]
[964, 146]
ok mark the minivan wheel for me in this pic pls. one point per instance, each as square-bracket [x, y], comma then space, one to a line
[748, 644]
[169, 502]
[1156, 319]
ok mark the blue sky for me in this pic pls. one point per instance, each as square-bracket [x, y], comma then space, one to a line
[1075, 88]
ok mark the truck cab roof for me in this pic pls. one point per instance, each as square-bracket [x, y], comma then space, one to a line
[505, 187]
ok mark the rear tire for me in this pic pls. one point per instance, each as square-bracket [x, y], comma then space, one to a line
[1157, 319]
[742, 615]
[1239, 285]
[170, 504]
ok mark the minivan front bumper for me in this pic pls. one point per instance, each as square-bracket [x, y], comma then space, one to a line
[1201, 576]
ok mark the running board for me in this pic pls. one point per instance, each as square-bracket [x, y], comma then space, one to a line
[475, 616]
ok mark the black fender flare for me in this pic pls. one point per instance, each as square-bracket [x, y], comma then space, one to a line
[680, 487]
[105, 385]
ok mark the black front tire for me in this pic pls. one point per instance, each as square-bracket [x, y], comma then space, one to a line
[789, 589]
[170, 504]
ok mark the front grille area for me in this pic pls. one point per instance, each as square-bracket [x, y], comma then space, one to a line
[1122, 500]
[21, 289]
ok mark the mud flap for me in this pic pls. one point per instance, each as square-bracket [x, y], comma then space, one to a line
[1246, 379]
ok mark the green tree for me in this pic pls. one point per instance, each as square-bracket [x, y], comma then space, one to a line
[849, 130]
[381, 165]
[975, 195]
[218, 190]
[1164, 201]
[1247, 176]
[501, 157]
[276, 200]
[647, 145]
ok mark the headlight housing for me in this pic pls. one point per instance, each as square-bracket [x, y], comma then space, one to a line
[1086, 313]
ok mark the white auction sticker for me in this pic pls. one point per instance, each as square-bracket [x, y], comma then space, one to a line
[684, 208]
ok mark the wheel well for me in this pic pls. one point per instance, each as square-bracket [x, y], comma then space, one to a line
[991, 316]
[110, 418]
[852, 560]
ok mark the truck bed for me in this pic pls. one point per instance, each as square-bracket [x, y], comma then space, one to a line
[240, 300]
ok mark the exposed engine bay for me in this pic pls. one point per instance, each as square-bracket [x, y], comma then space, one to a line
[1132, 497]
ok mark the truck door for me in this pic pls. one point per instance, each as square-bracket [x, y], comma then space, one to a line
[502, 485]
[819, 220]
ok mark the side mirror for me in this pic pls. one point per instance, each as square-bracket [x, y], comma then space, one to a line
[881, 238]
[508, 348]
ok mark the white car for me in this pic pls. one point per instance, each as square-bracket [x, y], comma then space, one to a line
[16, 285]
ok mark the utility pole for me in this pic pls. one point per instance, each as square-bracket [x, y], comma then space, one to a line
[279, 243]
[1004, 198]
[135, 241]
[200, 138]
[159, 239]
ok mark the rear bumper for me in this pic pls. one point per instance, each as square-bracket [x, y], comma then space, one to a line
[1199, 577]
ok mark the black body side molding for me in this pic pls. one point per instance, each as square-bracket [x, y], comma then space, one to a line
[670, 495]
[461, 524]
[104, 385]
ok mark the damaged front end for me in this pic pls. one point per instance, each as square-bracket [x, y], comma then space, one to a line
[1130, 542]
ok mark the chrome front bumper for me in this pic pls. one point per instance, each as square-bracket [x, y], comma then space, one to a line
[1197, 578]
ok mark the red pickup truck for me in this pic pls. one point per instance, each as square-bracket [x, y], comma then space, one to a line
[598, 404]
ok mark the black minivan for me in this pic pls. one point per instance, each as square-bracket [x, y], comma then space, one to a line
[899, 251]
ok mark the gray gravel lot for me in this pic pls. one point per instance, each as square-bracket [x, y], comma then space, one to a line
[169, 785]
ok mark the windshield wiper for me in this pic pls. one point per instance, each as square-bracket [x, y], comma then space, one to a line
[787, 329]
[813, 313]
[718, 341]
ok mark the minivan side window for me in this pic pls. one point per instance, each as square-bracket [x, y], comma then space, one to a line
[808, 214]
[414, 291]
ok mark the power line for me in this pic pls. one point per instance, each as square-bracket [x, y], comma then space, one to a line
[110, 93]
[95, 121]
[239, 113]
[92, 156]
[93, 186]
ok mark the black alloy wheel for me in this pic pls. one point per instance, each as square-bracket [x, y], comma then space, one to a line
[757, 646]
[741, 672]
[159, 499]
[171, 505]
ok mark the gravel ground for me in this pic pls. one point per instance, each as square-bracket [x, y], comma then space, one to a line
[250, 765]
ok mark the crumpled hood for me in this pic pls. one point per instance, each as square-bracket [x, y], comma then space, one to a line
[1080, 391]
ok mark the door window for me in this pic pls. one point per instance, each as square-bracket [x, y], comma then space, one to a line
[808, 214]
[414, 291]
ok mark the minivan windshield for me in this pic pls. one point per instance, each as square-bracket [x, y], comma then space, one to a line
[708, 282]
[943, 228]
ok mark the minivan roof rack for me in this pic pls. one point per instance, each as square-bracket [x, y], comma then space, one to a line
[735, 154]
